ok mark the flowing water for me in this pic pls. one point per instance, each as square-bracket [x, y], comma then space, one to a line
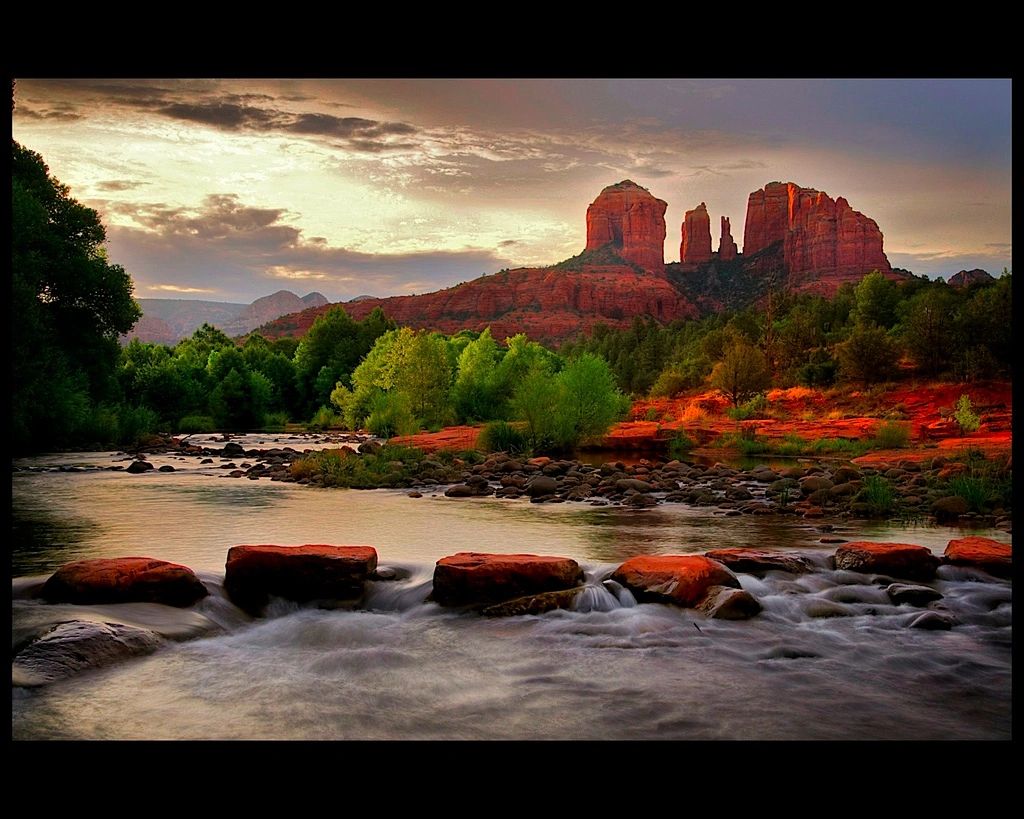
[830, 656]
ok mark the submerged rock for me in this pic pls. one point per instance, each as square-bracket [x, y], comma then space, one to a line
[901, 593]
[475, 579]
[758, 561]
[723, 603]
[124, 580]
[76, 646]
[981, 552]
[135, 467]
[534, 603]
[932, 621]
[302, 573]
[897, 559]
[680, 579]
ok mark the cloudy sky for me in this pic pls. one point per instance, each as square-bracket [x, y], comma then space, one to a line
[230, 190]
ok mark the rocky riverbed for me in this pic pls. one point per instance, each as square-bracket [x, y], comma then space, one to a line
[812, 490]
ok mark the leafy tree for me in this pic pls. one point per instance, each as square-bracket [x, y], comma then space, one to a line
[868, 355]
[474, 393]
[742, 373]
[331, 350]
[928, 329]
[536, 402]
[69, 304]
[589, 401]
[876, 300]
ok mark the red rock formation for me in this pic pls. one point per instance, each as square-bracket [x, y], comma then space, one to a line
[727, 250]
[696, 245]
[966, 278]
[681, 579]
[124, 580]
[302, 573]
[473, 578]
[821, 237]
[548, 304]
[897, 559]
[991, 555]
[633, 221]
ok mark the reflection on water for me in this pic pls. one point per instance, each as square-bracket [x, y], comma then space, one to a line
[193, 516]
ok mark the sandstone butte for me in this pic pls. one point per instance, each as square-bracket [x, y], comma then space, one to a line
[633, 221]
[815, 242]
[696, 245]
[965, 278]
[821, 237]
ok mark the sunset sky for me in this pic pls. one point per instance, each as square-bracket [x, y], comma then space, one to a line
[229, 189]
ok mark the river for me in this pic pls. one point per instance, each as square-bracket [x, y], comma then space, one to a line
[406, 669]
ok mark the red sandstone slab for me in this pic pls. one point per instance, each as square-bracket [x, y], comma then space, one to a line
[124, 580]
[302, 573]
[991, 555]
[897, 559]
[680, 579]
[476, 578]
[757, 561]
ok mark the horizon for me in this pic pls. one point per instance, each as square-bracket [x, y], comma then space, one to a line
[230, 190]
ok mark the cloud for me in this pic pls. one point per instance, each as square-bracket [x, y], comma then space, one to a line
[58, 114]
[245, 251]
[174, 288]
[115, 185]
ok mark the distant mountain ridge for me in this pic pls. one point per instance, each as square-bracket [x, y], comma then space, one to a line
[166, 321]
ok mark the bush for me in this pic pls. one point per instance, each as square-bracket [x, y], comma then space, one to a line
[878, 494]
[324, 419]
[392, 466]
[965, 416]
[135, 422]
[819, 371]
[197, 423]
[868, 355]
[390, 415]
[680, 444]
[651, 414]
[892, 435]
[670, 382]
[275, 421]
[973, 489]
[501, 436]
[754, 408]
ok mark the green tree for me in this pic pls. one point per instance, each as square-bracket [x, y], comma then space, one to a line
[69, 304]
[589, 402]
[868, 355]
[876, 300]
[536, 402]
[928, 328]
[474, 393]
[742, 373]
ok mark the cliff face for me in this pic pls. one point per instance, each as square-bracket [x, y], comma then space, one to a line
[548, 304]
[727, 250]
[633, 221]
[821, 237]
[696, 244]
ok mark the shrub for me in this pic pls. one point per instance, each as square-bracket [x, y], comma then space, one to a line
[868, 355]
[975, 490]
[754, 408]
[670, 382]
[651, 414]
[965, 416]
[275, 421]
[134, 423]
[324, 418]
[878, 494]
[197, 423]
[501, 436]
[390, 415]
[680, 444]
[819, 371]
[694, 413]
[892, 435]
